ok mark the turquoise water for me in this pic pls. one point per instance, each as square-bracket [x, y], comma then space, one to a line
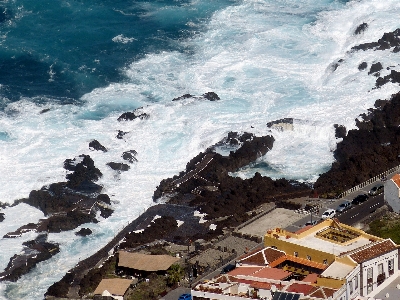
[60, 50]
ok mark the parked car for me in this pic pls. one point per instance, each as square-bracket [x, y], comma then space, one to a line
[312, 223]
[329, 213]
[228, 268]
[359, 199]
[345, 205]
[376, 190]
[185, 297]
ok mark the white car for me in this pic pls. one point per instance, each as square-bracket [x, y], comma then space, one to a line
[328, 214]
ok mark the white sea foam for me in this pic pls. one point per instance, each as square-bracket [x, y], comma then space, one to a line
[266, 60]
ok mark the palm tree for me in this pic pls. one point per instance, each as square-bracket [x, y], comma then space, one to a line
[175, 273]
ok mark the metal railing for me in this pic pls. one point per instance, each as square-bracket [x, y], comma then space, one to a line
[381, 177]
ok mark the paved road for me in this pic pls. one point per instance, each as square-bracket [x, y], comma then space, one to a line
[361, 211]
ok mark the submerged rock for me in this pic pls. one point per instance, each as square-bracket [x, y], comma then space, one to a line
[137, 113]
[281, 124]
[95, 145]
[121, 134]
[362, 66]
[211, 96]
[186, 96]
[84, 232]
[118, 166]
[34, 252]
[130, 156]
[361, 28]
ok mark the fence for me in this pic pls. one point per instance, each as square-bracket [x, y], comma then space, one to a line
[381, 176]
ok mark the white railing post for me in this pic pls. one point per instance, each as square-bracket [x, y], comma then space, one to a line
[369, 181]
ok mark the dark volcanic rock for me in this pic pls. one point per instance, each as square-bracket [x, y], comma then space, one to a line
[361, 28]
[376, 67]
[340, 131]
[34, 252]
[60, 289]
[362, 66]
[281, 124]
[129, 116]
[394, 76]
[218, 194]
[121, 134]
[84, 232]
[118, 166]
[70, 221]
[158, 229]
[366, 152]
[2, 217]
[95, 145]
[186, 96]
[211, 96]
[83, 174]
[388, 40]
[130, 156]
[44, 110]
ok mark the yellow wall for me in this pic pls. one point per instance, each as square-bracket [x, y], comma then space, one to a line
[289, 248]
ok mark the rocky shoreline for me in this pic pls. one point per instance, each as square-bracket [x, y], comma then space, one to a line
[206, 183]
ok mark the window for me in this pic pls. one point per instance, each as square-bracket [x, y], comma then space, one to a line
[380, 269]
[356, 282]
[370, 273]
[351, 287]
[308, 257]
[381, 275]
[390, 266]
[296, 253]
[325, 261]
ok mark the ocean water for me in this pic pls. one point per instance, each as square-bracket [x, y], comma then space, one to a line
[68, 69]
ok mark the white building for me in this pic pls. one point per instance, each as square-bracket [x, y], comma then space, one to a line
[392, 192]
[327, 261]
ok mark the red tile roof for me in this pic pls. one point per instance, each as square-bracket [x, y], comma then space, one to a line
[261, 285]
[311, 278]
[321, 292]
[262, 257]
[272, 273]
[396, 180]
[246, 271]
[300, 288]
[303, 229]
[373, 251]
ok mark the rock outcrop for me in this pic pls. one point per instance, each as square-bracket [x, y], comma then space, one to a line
[367, 151]
[95, 145]
[34, 252]
[207, 185]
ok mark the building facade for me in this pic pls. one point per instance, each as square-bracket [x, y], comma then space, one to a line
[330, 260]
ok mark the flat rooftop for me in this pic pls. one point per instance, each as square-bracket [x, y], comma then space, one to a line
[315, 242]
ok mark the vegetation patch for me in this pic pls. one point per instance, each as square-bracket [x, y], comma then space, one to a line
[386, 227]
